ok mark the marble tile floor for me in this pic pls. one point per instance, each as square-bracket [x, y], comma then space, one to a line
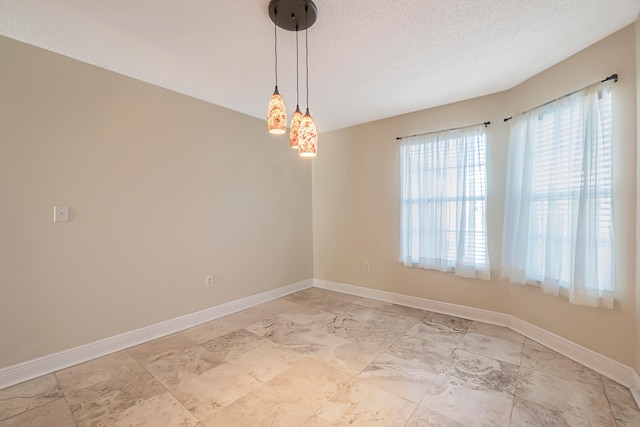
[321, 358]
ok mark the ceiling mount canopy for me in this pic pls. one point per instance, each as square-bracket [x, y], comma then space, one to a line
[293, 15]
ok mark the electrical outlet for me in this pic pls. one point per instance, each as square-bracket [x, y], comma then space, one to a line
[208, 280]
[366, 266]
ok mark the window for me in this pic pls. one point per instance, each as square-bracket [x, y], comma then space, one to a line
[443, 202]
[558, 229]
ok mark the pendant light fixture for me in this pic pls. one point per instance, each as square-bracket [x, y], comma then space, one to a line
[297, 115]
[304, 136]
[308, 134]
[277, 112]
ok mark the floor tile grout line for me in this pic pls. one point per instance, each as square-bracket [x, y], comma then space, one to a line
[606, 395]
[64, 396]
[177, 399]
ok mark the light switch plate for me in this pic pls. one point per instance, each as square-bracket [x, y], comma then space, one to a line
[60, 214]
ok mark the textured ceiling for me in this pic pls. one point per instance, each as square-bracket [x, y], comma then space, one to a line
[369, 59]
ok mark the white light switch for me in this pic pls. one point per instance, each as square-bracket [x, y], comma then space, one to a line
[60, 214]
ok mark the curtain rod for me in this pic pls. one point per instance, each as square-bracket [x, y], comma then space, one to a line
[445, 130]
[613, 77]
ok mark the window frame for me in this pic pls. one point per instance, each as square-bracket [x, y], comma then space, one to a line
[453, 261]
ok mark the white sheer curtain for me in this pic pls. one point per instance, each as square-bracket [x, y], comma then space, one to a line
[443, 190]
[558, 225]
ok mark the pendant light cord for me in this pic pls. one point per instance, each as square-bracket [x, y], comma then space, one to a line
[297, 71]
[275, 49]
[306, 41]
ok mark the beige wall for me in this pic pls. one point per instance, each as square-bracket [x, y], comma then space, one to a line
[163, 189]
[356, 203]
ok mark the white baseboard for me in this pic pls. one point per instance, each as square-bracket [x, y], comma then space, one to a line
[47, 364]
[610, 368]
[604, 365]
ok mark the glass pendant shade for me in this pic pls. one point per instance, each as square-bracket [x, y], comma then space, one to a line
[277, 114]
[295, 127]
[307, 137]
